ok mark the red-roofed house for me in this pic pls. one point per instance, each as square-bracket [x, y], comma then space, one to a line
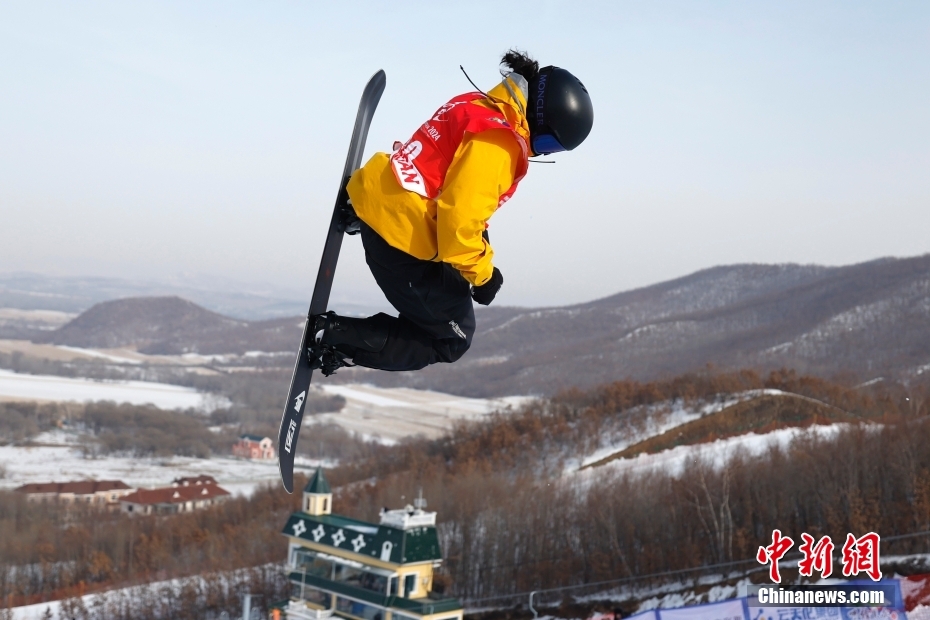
[191, 481]
[173, 500]
[254, 447]
[94, 492]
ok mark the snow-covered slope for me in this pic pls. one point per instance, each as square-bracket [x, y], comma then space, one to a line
[15, 386]
[625, 447]
[390, 414]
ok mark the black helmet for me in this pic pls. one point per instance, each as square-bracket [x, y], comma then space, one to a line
[560, 113]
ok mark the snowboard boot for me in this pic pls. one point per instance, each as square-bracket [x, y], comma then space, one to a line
[341, 338]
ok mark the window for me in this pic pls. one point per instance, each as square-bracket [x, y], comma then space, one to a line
[359, 610]
[410, 585]
[312, 595]
[325, 504]
[361, 578]
[326, 568]
[314, 565]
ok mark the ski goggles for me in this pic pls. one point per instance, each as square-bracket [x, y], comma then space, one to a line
[546, 144]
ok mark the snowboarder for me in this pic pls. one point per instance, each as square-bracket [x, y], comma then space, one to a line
[422, 213]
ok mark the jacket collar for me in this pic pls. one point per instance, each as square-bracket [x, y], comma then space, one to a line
[510, 98]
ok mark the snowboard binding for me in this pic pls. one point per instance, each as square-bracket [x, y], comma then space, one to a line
[340, 338]
[327, 359]
[323, 356]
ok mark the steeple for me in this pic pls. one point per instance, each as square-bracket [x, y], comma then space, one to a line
[318, 497]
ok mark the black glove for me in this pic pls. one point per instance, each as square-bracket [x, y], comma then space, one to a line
[485, 293]
[348, 221]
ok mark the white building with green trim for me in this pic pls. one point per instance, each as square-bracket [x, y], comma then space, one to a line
[362, 571]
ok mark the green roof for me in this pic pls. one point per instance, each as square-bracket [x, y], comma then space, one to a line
[318, 483]
[389, 544]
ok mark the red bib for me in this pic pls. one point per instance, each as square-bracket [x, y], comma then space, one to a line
[421, 164]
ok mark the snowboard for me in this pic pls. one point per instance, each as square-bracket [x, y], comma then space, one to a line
[303, 372]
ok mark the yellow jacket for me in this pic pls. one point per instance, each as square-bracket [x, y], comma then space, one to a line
[449, 228]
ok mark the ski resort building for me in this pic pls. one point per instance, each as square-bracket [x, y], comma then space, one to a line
[173, 500]
[357, 570]
[254, 447]
[193, 481]
[105, 493]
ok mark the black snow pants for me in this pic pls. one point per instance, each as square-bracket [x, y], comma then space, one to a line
[436, 319]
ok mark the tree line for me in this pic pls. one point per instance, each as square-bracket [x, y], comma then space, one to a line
[49, 551]
[212, 596]
[253, 395]
[512, 518]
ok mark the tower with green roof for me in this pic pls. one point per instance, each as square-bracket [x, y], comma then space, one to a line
[358, 570]
[318, 497]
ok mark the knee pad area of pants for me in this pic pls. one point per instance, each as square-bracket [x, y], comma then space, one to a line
[450, 350]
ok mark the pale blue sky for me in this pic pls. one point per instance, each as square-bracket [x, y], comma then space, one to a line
[157, 139]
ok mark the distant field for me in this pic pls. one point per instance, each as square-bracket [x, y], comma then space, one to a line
[63, 462]
[128, 355]
[394, 413]
[46, 388]
[382, 414]
[34, 319]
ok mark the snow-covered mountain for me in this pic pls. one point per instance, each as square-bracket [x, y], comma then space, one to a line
[170, 325]
[871, 319]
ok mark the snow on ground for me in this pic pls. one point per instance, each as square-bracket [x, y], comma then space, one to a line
[687, 596]
[36, 319]
[37, 611]
[58, 437]
[390, 414]
[58, 458]
[716, 453]
[136, 595]
[656, 425]
[128, 355]
[65, 462]
[42, 351]
[15, 386]
[110, 357]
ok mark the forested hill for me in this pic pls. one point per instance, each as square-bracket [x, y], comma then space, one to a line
[870, 319]
[569, 490]
[632, 479]
[171, 325]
